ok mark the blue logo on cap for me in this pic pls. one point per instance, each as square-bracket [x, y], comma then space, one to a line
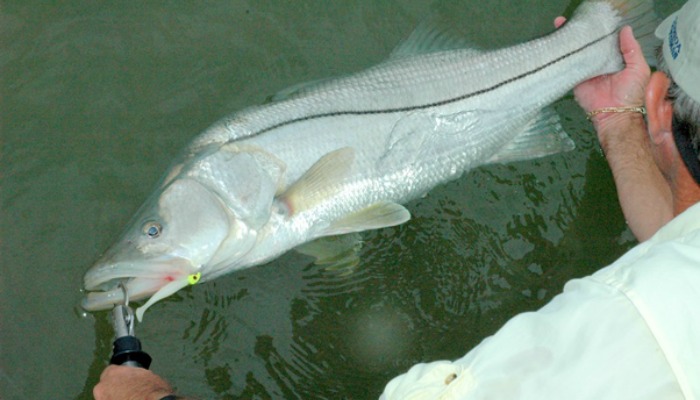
[674, 43]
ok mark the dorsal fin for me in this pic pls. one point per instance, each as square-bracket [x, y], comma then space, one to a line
[433, 34]
[297, 90]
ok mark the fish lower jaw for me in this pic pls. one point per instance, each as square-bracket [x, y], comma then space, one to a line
[137, 289]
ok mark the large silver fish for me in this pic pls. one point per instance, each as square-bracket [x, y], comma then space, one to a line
[341, 155]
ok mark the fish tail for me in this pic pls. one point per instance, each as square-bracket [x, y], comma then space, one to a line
[640, 15]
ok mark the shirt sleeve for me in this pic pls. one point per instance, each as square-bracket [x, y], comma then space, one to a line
[590, 342]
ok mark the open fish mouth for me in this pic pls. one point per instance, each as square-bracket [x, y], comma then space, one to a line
[110, 284]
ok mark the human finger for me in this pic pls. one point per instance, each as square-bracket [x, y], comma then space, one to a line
[632, 51]
[559, 21]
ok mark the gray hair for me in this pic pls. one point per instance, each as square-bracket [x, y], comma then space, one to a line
[685, 108]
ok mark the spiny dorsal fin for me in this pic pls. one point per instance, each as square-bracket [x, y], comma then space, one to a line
[297, 90]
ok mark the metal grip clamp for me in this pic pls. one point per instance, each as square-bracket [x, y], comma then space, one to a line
[127, 348]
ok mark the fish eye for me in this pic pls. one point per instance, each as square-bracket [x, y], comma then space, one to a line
[152, 229]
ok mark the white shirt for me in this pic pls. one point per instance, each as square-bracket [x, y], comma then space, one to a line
[629, 331]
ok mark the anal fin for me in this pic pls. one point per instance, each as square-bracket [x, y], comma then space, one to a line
[543, 136]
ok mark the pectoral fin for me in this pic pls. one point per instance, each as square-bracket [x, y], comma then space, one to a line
[321, 181]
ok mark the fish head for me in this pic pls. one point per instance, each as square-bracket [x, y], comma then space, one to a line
[166, 246]
[200, 223]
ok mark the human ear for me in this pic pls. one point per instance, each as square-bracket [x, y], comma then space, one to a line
[659, 109]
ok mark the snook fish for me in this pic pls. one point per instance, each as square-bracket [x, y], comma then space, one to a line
[340, 156]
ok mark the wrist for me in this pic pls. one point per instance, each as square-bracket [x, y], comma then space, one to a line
[616, 110]
[600, 115]
[617, 128]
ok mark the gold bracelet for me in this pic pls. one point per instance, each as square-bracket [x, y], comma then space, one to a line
[638, 109]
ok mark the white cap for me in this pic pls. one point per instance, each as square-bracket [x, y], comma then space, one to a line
[681, 35]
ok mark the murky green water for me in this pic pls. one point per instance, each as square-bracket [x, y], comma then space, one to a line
[97, 98]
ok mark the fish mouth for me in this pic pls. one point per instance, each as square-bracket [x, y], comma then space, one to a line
[140, 280]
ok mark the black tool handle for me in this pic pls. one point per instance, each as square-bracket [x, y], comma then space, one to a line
[127, 351]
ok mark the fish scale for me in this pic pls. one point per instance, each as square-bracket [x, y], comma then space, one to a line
[340, 155]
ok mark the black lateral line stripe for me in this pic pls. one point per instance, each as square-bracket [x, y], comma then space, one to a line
[437, 103]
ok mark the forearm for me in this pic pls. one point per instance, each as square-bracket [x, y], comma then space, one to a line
[644, 194]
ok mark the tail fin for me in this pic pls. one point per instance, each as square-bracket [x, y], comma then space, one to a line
[640, 15]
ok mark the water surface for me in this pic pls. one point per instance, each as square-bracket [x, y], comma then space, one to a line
[96, 99]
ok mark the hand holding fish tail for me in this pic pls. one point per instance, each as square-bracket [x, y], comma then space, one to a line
[641, 188]
[622, 89]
